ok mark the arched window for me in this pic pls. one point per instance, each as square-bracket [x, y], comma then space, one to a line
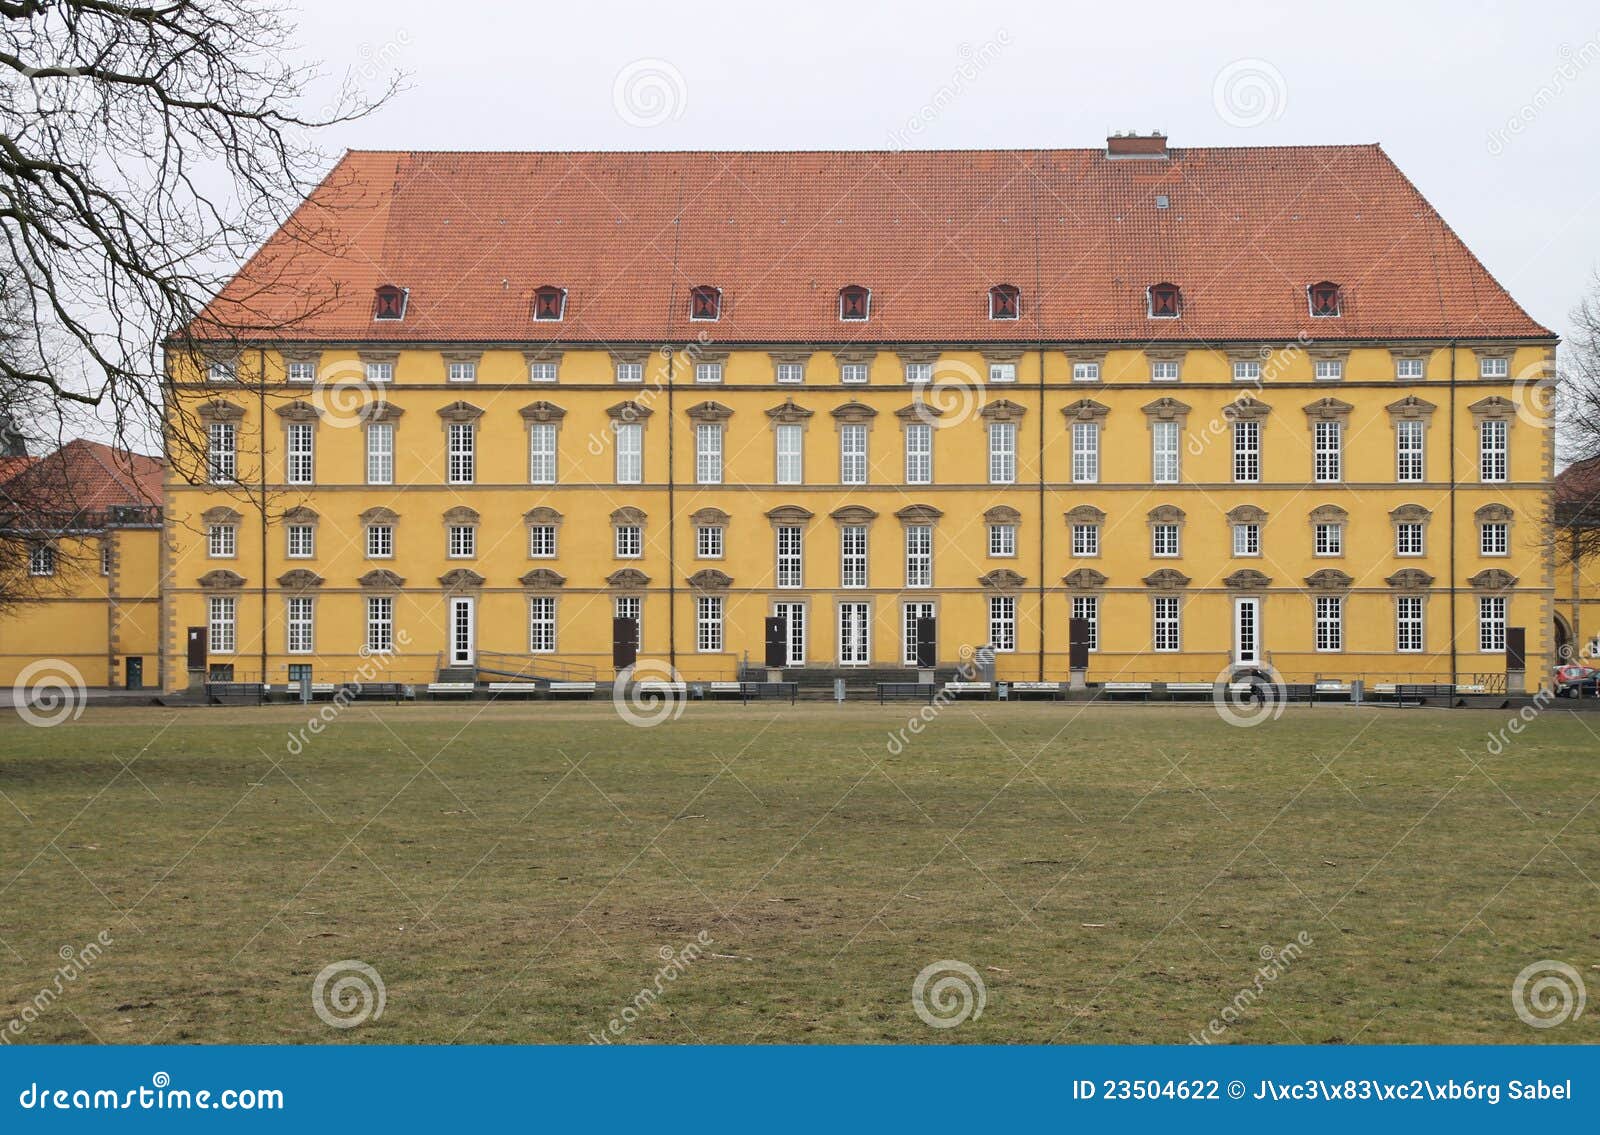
[549, 303]
[705, 303]
[855, 303]
[1005, 302]
[1326, 300]
[1166, 301]
[390, 303]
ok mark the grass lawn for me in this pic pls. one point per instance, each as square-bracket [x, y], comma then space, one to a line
[514, 873]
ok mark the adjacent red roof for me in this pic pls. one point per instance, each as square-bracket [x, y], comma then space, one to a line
[83, 477]
[1244, 231]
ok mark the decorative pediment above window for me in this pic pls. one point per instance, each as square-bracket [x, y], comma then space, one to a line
[1085, 514]
[1247, 579]
[222, 514]
[853, 412]
[638, 355]
[1003, 410]
[855, 354]
[1410, 579]
[918, 514]
[1002, 579]
[1167, 514]
[298, 411]
[917, 354]
[1002, 514]
[1086, 355]
[854, 514]
[801, 355]
[543, 514]
[710, 579]
[1002, 354]
[1493, 579]
[221, 579]
[381, 410]
[300, 514]
[460, 411]
[1328, 514]
[461, 356]
[300, 579]
[1411, 408]
[461, 579]
[919, 411]
[1084, 579]
[542, 411]
[531, 355]
[628, 411]
[1493, 408]
[1328, 410]
[627, 514]
[628, 579]
[461, 514]
[381, 579]
[790, 413]
[1410, 514]
[542, 579]
[379, 515]
[217, 410]
[1493, 514]
[1329, 579]
[1166, 579]
[1085, 410]
[1246, 409]
[709, 518]
[788, 515]
[1247, 514]
[367, 355]
[709, 412]
[1167, 410]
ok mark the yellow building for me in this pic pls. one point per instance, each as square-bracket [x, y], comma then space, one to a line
[1235, 407]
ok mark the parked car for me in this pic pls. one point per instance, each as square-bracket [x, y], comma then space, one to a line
[1575, 681]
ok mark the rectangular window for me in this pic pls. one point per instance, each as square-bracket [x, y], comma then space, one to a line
[629, 541]
[220, 543]
[1408, 368]
[300, 467]
[461, 372]
[302, 541]
[1086, 539]
[1330, 622]
[1003, 622]
[1246, 371]
[462, 454]
[853, 555]
[1494, 368]
[1408, 624]
[919, 454]
[630, 452]
[1408, 538]
[630, 372]
[788, 439]
[1002, 372]
[1164, 453]
[1246, 452]
[221, 372]
[1492, 538]
[1492, 623]
[1329, 444]
[1330, 539]
[1164, 370]
[1492, 449]
[1328, 369]
[855, 634]
[1002, 453]
[541, 624]
[463, 541]
[1002, 541]
[1247, 539]
[1163, 539]
[1087, 608]
[789, 573]
[919, 555]
[919, 372]
[301, 372]
[1408, 454]
[909, 614]
[853, 372]
[708, 372]
[380, 541]
[380, 453]
[380, 372]
[544, 372]
[222, 625]
[708, 624]
[542, 541]
[708, 454]
[42, 560]
[708, 542]
[791, 372]
[300, 638]
[222, 459]
[1085, 372]
[380, 624]
[853, 454]
[1085, 452]
[542, 453]
[1168, 634]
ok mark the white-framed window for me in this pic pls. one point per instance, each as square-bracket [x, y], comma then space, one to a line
[1408, 624]
[300, 636]
[1328, 441]
[1246, 370]
[1492, 449]
[1408, 538]
[629, 438]
[791, 372]
[1329, 369]
[708, 542]
[630, 607]
[222, 372]
[380, 624]
[301, 371]
[462, 541]
[1168, 630]
[1409, 464]
[853, 372]
[1002, 453]
[1330, 622]
[1087, 608]
[1330, 539]
[541, 624]
[628, 541]
[222, 624]
[1492, 624]
[461, 371]
[542, 541]
[1085, 539]
[919, 372]
[1085, 372]
[708, 453]
[380, 541]
[542, 453]
[853, 555]
[1164, 539]
[1165, 453]
[919, 453]
[462, 454]
[42, 560]
[789, 446]
[222, 455]
[221, 541]
[547, 371]
[1002, 372]
[1494, 368]
[855, 634]
[1085, 453]
[1247, 539]
[379, 372]
[1002, 541]
[301, 541]
[790, 570]
[853, 454]
[1493, 538]
[708, 373]
[630, 372]
[1164, 370]
[380, 453]
[919, 555]
[1246, 451]
[708, 624]
[1408, 368]
[301, 454]
[1003, 623]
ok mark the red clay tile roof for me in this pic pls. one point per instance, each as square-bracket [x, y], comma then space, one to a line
[471, 235]
[84, 477]
[1579, 483]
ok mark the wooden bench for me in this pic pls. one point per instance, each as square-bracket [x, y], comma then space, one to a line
[570, 689]
[1120, 689]
[1327, 687]
[317, 689]
[1035, 689]
[222, 693]
[961, 689]
[498, 690]
[1408, 693]
[746, 691]
[386, 691]
[452, 689]
[1190, 689]
[919, 691]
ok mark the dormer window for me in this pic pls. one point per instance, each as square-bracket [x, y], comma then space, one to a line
[390, 303]
[549, 304]
[855, 303]
[1166, 301]
[705, 304]
[1005, 302]
[1326, 299]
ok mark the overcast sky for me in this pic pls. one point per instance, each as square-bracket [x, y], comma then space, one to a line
[1492, 109]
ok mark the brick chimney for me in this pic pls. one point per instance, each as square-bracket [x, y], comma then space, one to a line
[1131, 145]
